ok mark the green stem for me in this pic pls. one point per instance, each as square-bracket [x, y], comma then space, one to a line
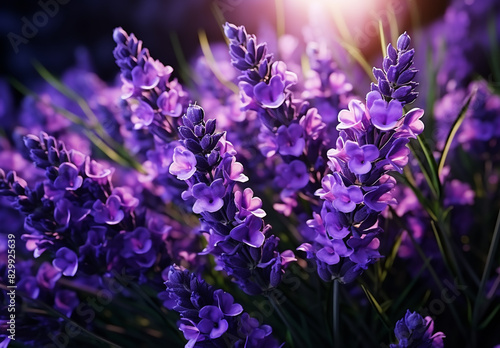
[84, 330]
[284, 318]
[436, 279]
[336, 314]
[487, 271]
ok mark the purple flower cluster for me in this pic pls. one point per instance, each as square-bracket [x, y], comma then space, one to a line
[417, 332]
[396, 80]
[292, 131]
[210, 317]
[78, 217]
[328, 90]
[372, 142]
[232, 218]
[154, 98]
[35, 284]
[184, 190]
[264, 84]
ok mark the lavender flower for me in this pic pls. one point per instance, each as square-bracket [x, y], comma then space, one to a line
[237, 236]
[78, 218]
[372, 142]
[155, 100]
[264, 83]
[211, 316]
[395, 81]
[415, 331]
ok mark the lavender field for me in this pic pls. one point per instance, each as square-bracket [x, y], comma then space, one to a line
[250, 174]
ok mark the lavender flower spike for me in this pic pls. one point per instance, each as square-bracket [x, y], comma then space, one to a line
[211, 316]
[372, 142]
[415, 331]
[395, 81]
[232, 218]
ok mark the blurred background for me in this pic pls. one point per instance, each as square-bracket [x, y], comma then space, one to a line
[57, 33]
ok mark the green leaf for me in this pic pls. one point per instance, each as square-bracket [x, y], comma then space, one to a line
[489, 318]
[212, 64]
[383, 44]
[101, 139]
[453, 131]
[432, 176]
[389, 261]
[495, 51]
[490, 260]
[378, 308]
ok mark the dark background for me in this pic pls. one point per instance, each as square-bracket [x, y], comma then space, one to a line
[90, 24]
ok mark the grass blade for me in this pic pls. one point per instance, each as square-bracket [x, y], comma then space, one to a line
[207, 52]
[486, 272]
[382, 37]
[453, 131]
[431, 162]
[383, 317]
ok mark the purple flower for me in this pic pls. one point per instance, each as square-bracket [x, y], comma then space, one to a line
[68, 178]
[208, 198]
[365, 249]
[343, 198]
[458, 193]
[415, 331]
[207, 314]
[226, 303]
[168, 103]
[109, 213]
[279, 68]
[346, 198]
[95, 240]
[66, 211]
[291, 140]
[184, 163]
[47, 276]
[330, 253]
[335, 225]
[232, 170]
[360, 157]
[143, 115]
[384, 116]
[137, 242]
[190, 331]
[96, 171]
[212, 323]
[270, 95]
[312, 123]
[66, 301]
[145, 77]
[398, 154]
[66, 261]
[247, 204]
[29, 287]
[379, 196]
[412, 125]
[352, 118]
[128, 201]
[327, 183]
[395, 81]
[249, 232]
[293, 175]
